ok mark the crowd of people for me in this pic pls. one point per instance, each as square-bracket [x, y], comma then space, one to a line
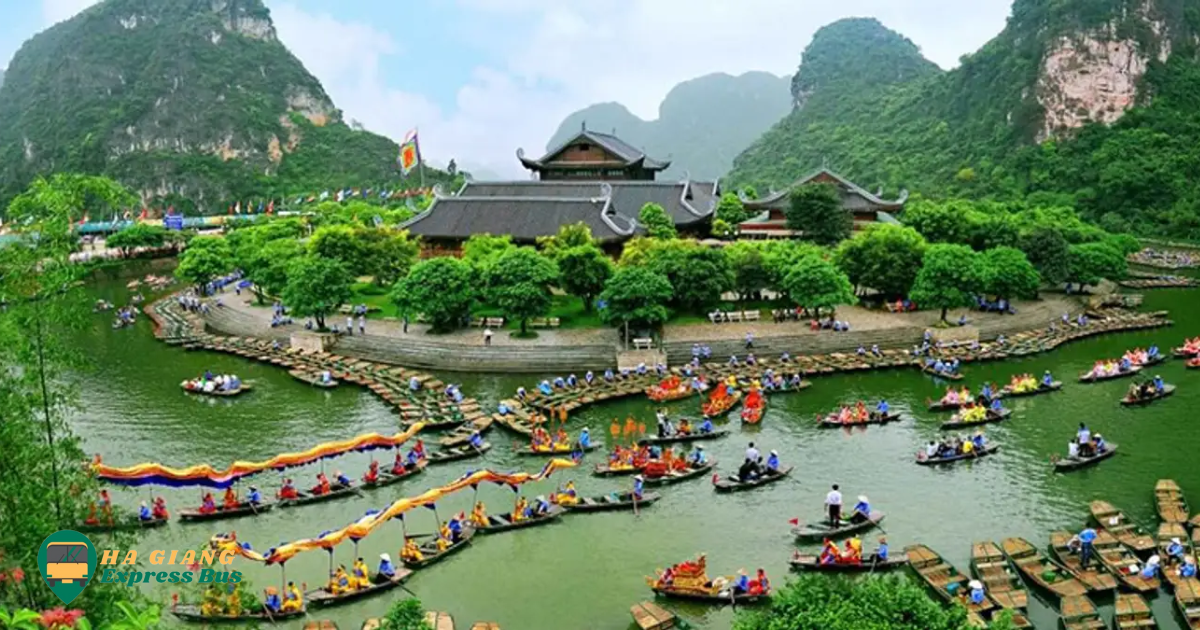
[1169, 258]
[1147, 390]
[852, 552]
[754, 467]
[691, 576]
[1086, 444]
[953, 447]
[210, 383]
[859, 413]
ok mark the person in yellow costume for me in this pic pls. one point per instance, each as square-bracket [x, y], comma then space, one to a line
[518, 513]
[339, 583]
[293, 599]
[360, 577]
[967, 446]
[233, 605]
[411, 552]
[479, 515]
[853, 553]
[443, 539]
[211, 603]
[567, 496]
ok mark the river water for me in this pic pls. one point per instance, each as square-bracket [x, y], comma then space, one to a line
[586, 571]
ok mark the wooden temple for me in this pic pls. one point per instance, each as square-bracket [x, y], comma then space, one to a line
[866, 207]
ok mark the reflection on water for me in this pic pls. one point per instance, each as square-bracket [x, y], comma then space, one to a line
[590, 568]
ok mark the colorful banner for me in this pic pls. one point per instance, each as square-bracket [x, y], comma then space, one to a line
[207, 476]
[409, 157]
[364, 526]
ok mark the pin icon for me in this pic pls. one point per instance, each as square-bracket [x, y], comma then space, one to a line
[68, 561]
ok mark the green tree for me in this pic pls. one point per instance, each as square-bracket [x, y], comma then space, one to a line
[948, 278]
[518, 283]
[583, 270]
[135, 236]
[819, 602]
[1006, 273]
[316, 287]
[405, 614]
[938, 222]
[1091, 262]
[657, 222]
[991, 231]
[699, 274]
[780, 256]
[816, 284]
[636, 296]
[442, 289]
[341, 243]
[568, 237]
[731, 210]
[386, 253]
[481, 250]
[723, 229]
[206, 258]
[816, 211]
[1046, 249]
[268, 266]
[883, 257]
[749, 267]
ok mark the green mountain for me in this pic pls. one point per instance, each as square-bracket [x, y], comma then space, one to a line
[1096, 102]
[1, 78]
[702, 124]
[193, 103]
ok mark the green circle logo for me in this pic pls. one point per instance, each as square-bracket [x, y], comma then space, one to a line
[68, 562]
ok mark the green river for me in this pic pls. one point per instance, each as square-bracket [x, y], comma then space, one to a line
[586, 571]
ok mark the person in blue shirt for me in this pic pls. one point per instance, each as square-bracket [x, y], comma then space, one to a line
[521, 393]
[559, 383]
[733, 360]
[986, 393]
[1188, 570]
[1100, 445]
[641, 369]
[979, 441]
[881, 554]
[954, 364]
[455, 527]
[1150, 571]
[144, 512]
[1158, 384]
[273, 602]
[706, 426]
[996, 405]
[977, 594]
[254, 497]
[1175, 551]
[386, 569]
[862, 510]
[1152, 353]
[1125, 364]
[773, 462]
[572, 381]
[742, 583]
[1087, 541]
[540, 505]
[785, 358]
[1047, 379]
[412, 458]
[414, 384]
[882, 408]
[476, 440]
[750, 360]
[585, 438]
[638, 484]
[342, 479]
[938, 366]
[698, 457]
[589, 377]
[502, 409]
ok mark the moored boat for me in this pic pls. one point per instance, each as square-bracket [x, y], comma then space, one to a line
[1096, 577]
[945, 580]
[694, 436]
[306, 498]
[1114, 521]
[503, 522]
[312, 378]
[1130, 401]
[191, 612]
[1065, 464]
[676, 476]
[1131, 612]
[122, 525]
[430, 554]
[974, 454]
[1118, 559]
[731, 484]
[989, 566]
[1040, 570]
[612, 502]
[944, 375]
[244, 508]
[1077, 612]
[556, 451]
[1187, 601]
[322, 598]
[821, 530]
[1172, 507]
[960, 419]
[806, 562]
[456, 453]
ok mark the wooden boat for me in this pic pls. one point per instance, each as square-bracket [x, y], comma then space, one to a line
[1088, 377]
[1037, 568]
[1114, 521]
[822, 530]
[191, 612]
[944, 405]
[945, 580]
[611, 502]
[989, 566]
[717, 405]
[729, 484]
[975, 454]
[753, 407]
[122, 525]
[1128, 401]
[690, 437]
[992, 416]
[1096, 577]
[649, 616]
[1172, 507]
[1166, 532]
[555, 451]
[432, 555]
[218, 393]
[946, 376]
[1074, 463]
[672, 388]
[830, 421]
[722, 598]
[312, 378]
[1008, 392]
[805, 562]
[335, 492]
[322, 624]
[503, 522]
[1077, 612]
[387, 477]
[1187, 602]
[1117, 558]
[458, 452]
[321, 598]
[485, 625]
[243, 509]
[436, 620]
[1131, 612]
[607, 470]
[675, 477]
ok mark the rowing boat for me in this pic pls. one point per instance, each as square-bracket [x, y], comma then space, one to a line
[504, 522]
[941, 577]
[387, 478]
[1114, 521]
[1172, 507]
[218, 393]
[1187, 601]
[1096, 577]
[335, 492]
[191, 612]
[607, 470]
[244, 508]
[948, 405]
[720, 598]
[821, 530]
[948, 376]
[717, 405]
[434, 619]
[458, 452]
[670, 389]
[122, 525]
[1131, 612]
[974, 454]
[1037, 568]
[674, 476]
[1130, 401]
[322, 598]
[430, 554]
[805, 562]
[831, 422]
[989, 566]
[312, 378]
[1117, 558]
[1090, 377]
[753, 408]
[1074, 463]
[991, 417]
[1077, 612]
[555, 450]
[729, 484]
[1008, 391]
[689, 437]
[1165, 534]
[612, 502]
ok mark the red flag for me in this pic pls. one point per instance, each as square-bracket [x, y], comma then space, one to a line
[795, 521]
[271, 207]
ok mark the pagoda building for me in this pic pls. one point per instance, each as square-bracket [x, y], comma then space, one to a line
[866, 208]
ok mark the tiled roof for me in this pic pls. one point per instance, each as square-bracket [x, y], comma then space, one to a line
[686, 202]
[608, 142]
[864, 199]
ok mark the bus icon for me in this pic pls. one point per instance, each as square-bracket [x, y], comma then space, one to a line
[66, 562]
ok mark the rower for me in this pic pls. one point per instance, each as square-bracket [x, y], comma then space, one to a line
[1150, 571]
[608, 375]
[387, 570]
[985, 394]
[372, 474]
[559, 383]
[589, 377]
[742, 583]
[273, 602]
[288, 491]
[207, 504]
[773, 462]
[342, 479]
[862, 510]
[706, 426]
[585, 439]
[540, 506]
[881, 552]
[1175, 552]
[1188, 570]
[979, 441]
[881, 410]
[230, 500]
[997, 406]
[1047, 379]
[414, 384]
[1158, 384]
[698, 457]
[476, 440]
[410, 461]
[521, 393]
[293, 600]
[144, 514]
[833, 503]
[572, 380]
[638, 485]
[641, 369]
[976, 595]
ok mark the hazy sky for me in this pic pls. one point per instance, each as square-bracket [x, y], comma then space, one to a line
[483, 77]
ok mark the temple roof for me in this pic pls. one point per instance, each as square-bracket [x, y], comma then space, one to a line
[849, 189]
[686, 202]
[625, 152]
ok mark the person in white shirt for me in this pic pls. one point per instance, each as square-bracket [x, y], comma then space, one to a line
[1072, 449]
[833, 501]
[752, 454]
[931, 450]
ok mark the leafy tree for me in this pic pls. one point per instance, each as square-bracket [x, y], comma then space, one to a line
[883, 257]
[269, 265]
[816, 211]
[1091, 262]
[1046, 249]
[749, 267]
[583, 270]
[481, 250]
[780, 256]
[387, 253]
[1006, 273]
[636, 296]
[938, 223]
[568, 237]
[731, 210]
[519, 284]
[1123, 243]
[205, 258]
[442, 289]
[658, 223]
[135, 236]
[948, 278]
[637, 251]
[699, 274]
[991, 231]
[317, 286]
[723, 229]
[341, 243]
[750, 191]
[818, 602]
[816, 283]
[406, 614]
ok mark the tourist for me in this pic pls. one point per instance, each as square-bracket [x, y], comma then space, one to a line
[160, 509]
[362, 324]
[1188, 569]
[207, 504]
[752, 454]
[387, 570]
[358, 575]
[749, 340]
[976, 594]
[288, 490]
[230, 500]
[350, 325]
[1084, 438]
[487, 336]
[293, 600]
[833, 503]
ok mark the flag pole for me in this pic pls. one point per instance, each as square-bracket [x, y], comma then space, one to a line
[420, 161]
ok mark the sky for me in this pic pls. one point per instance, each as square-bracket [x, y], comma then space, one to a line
[480, 78]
